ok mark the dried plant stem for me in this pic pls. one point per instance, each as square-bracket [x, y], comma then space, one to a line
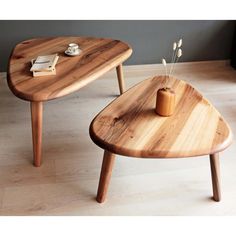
[174, 66]
[165, 70]
[174, 55]
[166, 81]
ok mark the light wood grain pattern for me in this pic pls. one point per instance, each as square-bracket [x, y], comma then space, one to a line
[98, 56]
[215, 176]
[129, 125]
[36, 123]
[105, 176]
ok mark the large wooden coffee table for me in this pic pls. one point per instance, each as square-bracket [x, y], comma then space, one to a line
[130, 127]
[98, 56]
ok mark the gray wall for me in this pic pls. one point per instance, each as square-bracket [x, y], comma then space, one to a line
[150, 40]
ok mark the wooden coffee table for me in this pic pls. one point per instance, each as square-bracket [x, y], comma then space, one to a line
[129, 126]
[98, 56]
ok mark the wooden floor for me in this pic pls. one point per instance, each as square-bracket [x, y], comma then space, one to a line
[66, 184]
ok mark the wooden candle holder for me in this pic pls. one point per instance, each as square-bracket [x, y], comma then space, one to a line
[165, 102]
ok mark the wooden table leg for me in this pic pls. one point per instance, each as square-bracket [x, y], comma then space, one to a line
[120, 77]
[215, 175]
[105, 176]
[36, 122]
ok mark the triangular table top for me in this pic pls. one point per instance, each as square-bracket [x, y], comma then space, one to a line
[129, 126]
[98, 56]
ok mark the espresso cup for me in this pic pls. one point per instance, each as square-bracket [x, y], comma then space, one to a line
[73, 47]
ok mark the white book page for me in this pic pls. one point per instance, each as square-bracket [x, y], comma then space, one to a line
[44, 63]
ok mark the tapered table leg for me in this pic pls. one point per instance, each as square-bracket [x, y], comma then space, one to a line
[120, 77]
[215, 175]
[36, 122]
[105, 176]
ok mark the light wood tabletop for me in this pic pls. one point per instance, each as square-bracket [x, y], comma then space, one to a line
[129, 126]
[98, 56]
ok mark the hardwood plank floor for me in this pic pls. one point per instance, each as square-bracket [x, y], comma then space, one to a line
[66, 183]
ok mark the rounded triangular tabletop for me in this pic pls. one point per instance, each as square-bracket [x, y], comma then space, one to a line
[129, 125]
[98, 56]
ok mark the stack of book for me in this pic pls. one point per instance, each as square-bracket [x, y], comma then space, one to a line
[44, 65]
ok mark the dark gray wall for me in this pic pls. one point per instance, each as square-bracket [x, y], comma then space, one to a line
[150, 40]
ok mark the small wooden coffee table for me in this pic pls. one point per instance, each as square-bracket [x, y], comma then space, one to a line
[129, 126]
[98, 56]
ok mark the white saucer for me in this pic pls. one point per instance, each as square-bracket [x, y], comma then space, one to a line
[73, 54]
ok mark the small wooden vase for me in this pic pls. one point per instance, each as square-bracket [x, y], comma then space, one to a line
[165, 102]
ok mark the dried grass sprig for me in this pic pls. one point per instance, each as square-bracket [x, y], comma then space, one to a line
[176, 54]
[180, 42]
[165, 65]
[173, 54]
[179, 54]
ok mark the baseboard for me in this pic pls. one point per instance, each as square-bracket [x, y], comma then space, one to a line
[179, 65]
[196, 65]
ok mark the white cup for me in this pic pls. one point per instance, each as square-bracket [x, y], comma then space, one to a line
[73, 48]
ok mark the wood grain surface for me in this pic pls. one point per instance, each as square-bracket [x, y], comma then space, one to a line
[98, 56]
[120, 77]
[129, 126]
[215, 176]
[36, 123]
[105, 176]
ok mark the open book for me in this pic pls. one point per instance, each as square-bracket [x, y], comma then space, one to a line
[44, 63]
